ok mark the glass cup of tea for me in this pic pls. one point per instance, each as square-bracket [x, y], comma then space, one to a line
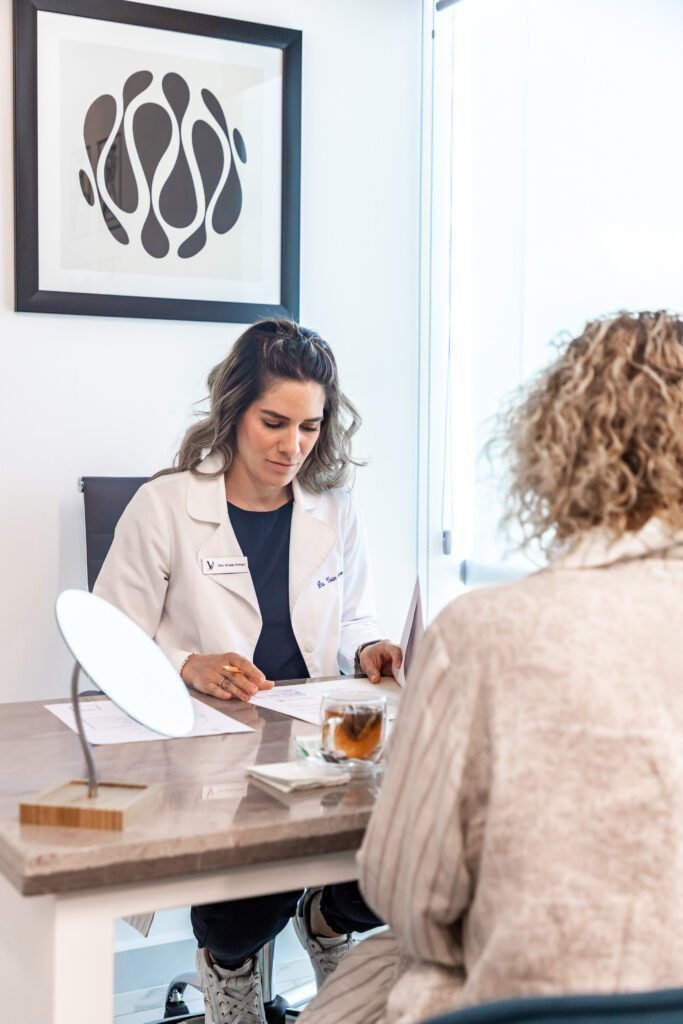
[353, 731]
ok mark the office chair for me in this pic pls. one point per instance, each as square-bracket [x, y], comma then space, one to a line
[104, 499]
[662, 1007]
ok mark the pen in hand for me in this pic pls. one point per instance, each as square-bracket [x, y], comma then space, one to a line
[253, 688]
[234, 671]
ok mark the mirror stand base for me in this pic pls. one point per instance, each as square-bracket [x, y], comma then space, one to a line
[115, 806]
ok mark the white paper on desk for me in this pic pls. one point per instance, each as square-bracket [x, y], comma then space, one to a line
[105, 723]
[302, 700]
[413, 632]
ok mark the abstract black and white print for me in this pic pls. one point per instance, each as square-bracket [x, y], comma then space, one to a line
[144, 149]
[165, 153]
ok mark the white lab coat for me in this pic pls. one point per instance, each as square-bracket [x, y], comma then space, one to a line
[154, 573]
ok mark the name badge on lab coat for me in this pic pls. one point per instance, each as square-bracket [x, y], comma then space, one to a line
[220, 566]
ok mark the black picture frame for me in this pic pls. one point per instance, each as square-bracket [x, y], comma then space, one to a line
[29, 297]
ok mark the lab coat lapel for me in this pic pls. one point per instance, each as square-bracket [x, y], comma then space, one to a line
[311, 540]
[206, 502]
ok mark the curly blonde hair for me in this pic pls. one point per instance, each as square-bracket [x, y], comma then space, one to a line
[597, 438]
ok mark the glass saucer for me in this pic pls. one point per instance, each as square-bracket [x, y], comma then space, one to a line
[357, 767]
[311, 747]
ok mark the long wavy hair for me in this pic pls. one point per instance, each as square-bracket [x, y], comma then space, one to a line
[596, 439]
[266, 352]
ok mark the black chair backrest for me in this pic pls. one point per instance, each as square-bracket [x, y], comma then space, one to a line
[105, 498]
[662, 1007]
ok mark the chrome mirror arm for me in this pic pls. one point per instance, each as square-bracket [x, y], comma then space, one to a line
[85, 745]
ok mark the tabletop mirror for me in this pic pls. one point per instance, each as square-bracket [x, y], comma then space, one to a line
[130, 669]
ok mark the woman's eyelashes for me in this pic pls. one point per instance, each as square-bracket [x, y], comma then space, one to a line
[313, 429]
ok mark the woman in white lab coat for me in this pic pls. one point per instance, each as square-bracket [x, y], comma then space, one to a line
[248, 555]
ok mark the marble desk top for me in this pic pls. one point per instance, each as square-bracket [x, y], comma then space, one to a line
[211, 815]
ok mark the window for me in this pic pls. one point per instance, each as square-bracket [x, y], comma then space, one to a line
[553, 195]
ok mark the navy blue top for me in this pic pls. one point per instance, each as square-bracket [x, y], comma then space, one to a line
[264, 539]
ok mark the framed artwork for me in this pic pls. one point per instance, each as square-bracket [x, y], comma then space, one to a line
[157, 162]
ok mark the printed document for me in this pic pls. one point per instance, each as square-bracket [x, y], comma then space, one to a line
[104, 722]
[302, 700]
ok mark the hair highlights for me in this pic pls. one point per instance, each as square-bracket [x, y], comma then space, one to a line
[267, 351]
[596, 439]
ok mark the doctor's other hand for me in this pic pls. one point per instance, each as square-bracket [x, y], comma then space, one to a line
[224, 676]
[379, 659]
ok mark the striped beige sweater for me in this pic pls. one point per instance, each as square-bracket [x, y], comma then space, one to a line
[529, 834]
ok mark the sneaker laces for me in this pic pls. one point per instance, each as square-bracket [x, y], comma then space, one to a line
[231, 998]
[328, 956]
[238, 1007]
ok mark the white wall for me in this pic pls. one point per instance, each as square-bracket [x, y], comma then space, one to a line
[100, 396]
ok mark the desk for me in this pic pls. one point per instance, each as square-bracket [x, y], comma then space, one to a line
[214, 836]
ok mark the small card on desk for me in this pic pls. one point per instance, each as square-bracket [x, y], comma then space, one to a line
[291, 776]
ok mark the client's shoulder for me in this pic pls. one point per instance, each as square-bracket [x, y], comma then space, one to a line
[495, 611]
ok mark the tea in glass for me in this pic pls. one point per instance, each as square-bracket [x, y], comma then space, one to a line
[353, 731]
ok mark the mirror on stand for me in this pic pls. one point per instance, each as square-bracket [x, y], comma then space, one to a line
[126, 664]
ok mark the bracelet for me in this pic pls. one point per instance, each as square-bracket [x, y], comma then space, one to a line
[184, 663]
[359, 649]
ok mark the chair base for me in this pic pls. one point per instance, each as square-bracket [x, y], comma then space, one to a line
[277, 1010]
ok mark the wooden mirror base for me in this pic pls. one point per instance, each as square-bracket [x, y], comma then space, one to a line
[115, 806]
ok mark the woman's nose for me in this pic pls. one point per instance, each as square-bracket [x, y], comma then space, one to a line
[290, 443]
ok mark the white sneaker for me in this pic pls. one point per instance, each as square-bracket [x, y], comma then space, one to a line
[231, 997]
[325, 953]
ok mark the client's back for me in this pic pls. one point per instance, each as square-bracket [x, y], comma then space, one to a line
[528, 838]
[574, 800]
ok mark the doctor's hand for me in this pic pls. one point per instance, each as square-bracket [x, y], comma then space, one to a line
[378, 659]
[224, 676]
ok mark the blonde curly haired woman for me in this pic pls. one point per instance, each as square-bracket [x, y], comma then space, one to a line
[529, 835]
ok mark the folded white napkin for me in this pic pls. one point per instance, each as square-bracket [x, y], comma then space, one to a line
[289, 776]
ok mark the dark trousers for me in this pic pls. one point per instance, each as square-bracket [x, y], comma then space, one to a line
[234, 931]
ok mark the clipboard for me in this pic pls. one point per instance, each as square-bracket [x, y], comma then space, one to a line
[413, 631]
